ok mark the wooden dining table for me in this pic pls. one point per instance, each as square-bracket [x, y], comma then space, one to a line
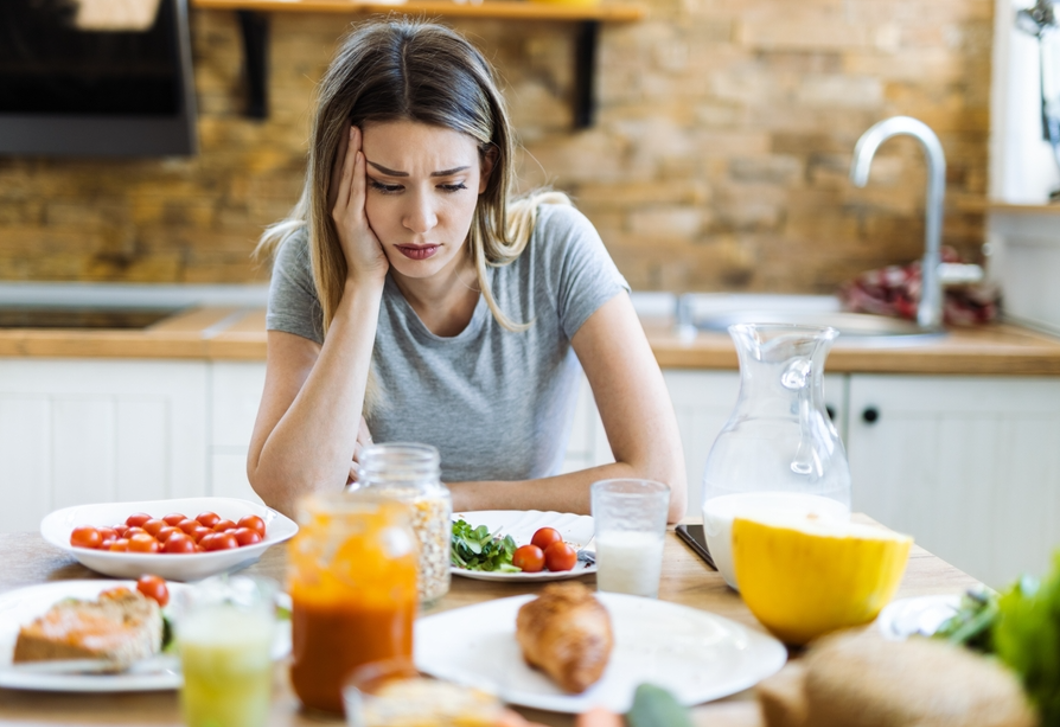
[26, 560]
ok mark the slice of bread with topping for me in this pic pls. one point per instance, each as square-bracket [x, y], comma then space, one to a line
[120, 626]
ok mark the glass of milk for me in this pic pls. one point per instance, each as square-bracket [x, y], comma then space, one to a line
[225, 629]
[629, 516]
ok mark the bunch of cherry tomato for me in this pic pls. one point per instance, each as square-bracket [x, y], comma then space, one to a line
[174, 533]
[546, 550]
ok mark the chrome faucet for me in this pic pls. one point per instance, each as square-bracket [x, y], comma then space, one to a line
[929, 311]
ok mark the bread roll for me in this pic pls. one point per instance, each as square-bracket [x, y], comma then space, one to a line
[566, 633]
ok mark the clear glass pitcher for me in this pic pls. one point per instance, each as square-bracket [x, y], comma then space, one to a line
[779, 449]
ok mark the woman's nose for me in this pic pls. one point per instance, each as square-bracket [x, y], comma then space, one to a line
[420, 215]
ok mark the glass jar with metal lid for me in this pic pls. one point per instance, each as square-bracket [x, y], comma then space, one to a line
[411, 472]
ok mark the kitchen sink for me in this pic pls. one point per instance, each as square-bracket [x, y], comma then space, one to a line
[716, 312]
[13, 316]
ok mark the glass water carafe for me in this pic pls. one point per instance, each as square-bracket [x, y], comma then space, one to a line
[779, 450]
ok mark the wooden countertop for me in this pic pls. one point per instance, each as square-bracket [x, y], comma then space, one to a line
[685, 580]
[230, 333]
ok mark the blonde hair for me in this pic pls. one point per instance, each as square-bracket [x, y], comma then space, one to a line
[400, 69]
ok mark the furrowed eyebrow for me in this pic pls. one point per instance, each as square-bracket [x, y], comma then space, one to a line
[394, 173]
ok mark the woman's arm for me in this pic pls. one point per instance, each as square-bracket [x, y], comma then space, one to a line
[637, 415]
[310, 415]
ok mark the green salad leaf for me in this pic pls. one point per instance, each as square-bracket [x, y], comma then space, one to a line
[478, 549]
[972, 625]
[1027, 639]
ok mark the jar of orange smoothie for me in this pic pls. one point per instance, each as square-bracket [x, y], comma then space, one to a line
[352, 577]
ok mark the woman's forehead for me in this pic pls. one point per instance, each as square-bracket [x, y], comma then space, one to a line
[414, 147]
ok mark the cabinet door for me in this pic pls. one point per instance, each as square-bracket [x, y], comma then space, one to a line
[235, 388]
[82, 431]
[967, 465]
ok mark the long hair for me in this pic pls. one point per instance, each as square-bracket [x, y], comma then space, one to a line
[400, 69]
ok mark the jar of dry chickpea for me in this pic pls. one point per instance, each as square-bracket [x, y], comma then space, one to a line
[410, 472]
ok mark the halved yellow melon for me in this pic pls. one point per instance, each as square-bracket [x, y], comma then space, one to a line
[803, 577]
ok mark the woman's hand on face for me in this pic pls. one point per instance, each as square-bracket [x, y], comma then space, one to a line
[364, 254]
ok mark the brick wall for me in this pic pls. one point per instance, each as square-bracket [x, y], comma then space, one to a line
[718, 161]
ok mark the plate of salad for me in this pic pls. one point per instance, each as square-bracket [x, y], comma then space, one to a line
[491, 545]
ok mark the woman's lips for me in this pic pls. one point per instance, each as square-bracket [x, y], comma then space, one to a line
[417, 252]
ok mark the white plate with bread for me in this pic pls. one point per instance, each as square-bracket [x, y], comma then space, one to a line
[577, 530]
[57, 527]
[20, 607]
[695, 654]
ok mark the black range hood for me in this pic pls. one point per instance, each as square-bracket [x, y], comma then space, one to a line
[77, 82]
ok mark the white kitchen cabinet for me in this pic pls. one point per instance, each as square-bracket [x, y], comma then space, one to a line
[970, 466]
[235, 393]
[76, 431]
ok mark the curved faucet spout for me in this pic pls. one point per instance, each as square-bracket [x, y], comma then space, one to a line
[929, 311]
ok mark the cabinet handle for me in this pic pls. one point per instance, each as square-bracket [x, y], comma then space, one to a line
[830, 410]
[870, 415]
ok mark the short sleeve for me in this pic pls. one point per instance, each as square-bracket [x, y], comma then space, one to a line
[580, 272]
[293, 303]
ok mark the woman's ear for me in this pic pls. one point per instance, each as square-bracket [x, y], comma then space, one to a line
[488, 160]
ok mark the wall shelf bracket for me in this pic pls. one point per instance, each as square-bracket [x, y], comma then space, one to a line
[585, 72]
[255, 31]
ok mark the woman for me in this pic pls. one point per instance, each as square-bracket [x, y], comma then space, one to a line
[409, 287]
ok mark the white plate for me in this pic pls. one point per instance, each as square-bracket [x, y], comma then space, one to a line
[521, 525]
[21, 606]
[921, 615]
[57, 526]
[695, 654]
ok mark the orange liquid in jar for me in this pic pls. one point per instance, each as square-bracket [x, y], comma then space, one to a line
[353, 588]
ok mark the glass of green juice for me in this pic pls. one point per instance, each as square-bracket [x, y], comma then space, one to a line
[225, 628]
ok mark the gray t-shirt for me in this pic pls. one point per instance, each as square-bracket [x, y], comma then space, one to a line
[497, 404]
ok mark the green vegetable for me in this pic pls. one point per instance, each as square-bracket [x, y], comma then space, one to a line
[972, 625]
[656, 707]
[1027, 639]
[477, 549]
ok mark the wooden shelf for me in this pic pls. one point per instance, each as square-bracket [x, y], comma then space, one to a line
[254, 22]
[497, 9]
[1024, 209]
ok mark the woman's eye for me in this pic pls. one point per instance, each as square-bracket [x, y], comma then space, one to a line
[384, 188]
[453, 187]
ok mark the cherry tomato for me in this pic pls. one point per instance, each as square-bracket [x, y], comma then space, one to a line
[254, 523]
[108, 534]
[560, 556]
[167, 532]
[154, 525]
[120, 529]
[121, 545]
[246, 536]
[206, 541]
[188, 525]
[208, 519]
[529, 557]
[153, 587]
[223, 525]
[545, 537]
[225, 541]
[200, 533]
[85, 536]
[179, 542]
[137, 519]
[143, 543]
[129, 532]
[174, 518]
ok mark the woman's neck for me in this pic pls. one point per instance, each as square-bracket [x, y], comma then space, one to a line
[444, 302]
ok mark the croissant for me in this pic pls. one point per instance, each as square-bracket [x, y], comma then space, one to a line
[566, 633]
